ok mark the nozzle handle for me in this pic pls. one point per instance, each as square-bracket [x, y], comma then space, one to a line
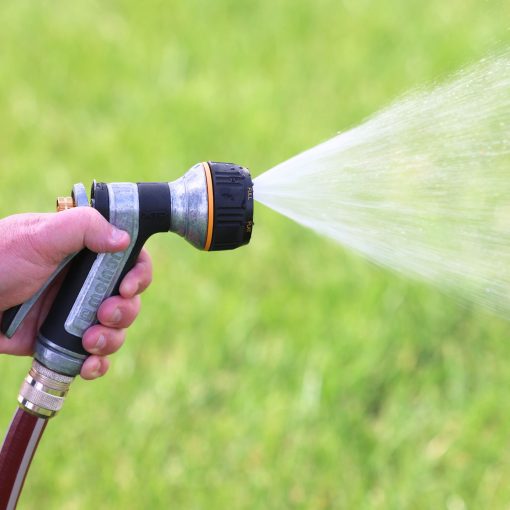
[140, 209]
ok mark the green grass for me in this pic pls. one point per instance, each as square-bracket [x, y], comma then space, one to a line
[288, 374]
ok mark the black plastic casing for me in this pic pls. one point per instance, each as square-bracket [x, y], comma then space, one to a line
[233, 206]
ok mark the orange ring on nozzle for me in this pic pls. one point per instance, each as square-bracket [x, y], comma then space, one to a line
[210, 205]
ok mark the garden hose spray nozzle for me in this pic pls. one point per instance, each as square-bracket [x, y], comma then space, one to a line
[211, 206]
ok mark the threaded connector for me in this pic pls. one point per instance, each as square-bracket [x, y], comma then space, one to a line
[64, 203]
[43, 391]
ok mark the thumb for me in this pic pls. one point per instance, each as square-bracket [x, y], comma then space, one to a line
[72, 230]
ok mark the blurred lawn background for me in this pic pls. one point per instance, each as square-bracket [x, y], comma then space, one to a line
[288, 374]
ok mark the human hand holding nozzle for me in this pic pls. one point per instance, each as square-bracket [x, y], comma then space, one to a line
[32, 246]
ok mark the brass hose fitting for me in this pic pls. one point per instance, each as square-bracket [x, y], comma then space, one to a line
[64, 203]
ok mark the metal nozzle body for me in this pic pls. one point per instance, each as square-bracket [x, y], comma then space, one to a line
[212, 206]
[43, 391]
[189, 205]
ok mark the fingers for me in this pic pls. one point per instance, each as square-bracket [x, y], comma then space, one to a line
[139, 278]
[115, 314]
[94, 367]
[102, 340]
[108, 337]
[66, 232]
[118, 312]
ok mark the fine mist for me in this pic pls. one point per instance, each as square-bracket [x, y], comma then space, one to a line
[422, 187]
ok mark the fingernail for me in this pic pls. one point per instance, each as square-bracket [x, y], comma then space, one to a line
[101, 342]
[117, 315]
[118, 236]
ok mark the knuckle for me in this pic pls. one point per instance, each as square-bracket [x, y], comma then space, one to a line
[137, 304]
[148, 279]
[33, 238]
[120, 338]
[81, 217]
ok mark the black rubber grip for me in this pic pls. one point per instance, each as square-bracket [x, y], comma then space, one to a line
[233, 206]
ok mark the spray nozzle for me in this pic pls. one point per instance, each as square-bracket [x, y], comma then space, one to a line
[211, 206]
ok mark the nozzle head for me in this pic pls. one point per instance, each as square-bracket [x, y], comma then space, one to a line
[212, 206]
[232, 190]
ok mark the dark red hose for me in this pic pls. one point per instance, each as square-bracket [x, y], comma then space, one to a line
[16, 455]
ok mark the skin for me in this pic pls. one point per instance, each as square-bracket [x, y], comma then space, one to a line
[32, 246]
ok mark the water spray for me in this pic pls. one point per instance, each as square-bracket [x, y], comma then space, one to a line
[211, 206]
[422, 187]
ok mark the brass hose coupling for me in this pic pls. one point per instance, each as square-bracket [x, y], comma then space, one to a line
[43, 391]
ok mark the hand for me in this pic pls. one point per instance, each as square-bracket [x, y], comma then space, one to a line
[32, 246]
